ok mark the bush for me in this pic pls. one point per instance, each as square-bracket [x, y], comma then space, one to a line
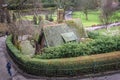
[16, 7]
[51, 19]
[104, 45]
[65, 51]
[64, 67]
[99, 45]
[47, 5]
[94, 35]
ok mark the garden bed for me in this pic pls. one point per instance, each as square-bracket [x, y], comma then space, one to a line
[65, 66]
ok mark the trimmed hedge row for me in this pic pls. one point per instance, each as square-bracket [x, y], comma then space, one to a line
[62, 67]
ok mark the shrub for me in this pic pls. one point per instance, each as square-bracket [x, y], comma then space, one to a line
[103, 45]
[97, 46]
[16, 7]
[51, 19]
[47, 5]
[65, 51]
[93, 35]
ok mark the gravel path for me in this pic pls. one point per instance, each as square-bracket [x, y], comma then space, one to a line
[100, 27]
[3, 72]
[3, 61]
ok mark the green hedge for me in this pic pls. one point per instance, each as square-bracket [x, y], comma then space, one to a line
[63, 67]
[16, 7]
[47, 5]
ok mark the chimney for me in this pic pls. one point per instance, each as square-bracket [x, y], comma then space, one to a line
[60, 15]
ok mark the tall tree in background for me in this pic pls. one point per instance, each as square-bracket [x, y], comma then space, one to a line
[65, 4]
[108, 7]
[85, 6]
[4, 13]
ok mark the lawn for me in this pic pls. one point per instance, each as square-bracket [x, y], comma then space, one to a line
[30, 17]
[113, 31]
[93, 18]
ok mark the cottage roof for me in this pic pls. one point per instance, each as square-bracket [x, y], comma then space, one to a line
[59, 34]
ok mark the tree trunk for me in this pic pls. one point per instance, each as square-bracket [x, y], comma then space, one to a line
[2, 17]
[15, 39]
[1, 12]
[36, 47]
[86, 15]
[8, 16]
[85, 11]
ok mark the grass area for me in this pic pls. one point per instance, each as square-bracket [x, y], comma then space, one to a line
[30, 17]
[93, 18]
[110, 31]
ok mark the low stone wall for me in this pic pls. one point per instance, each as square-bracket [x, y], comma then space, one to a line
[3, 29]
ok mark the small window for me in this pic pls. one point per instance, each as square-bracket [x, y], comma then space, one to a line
[69, 37]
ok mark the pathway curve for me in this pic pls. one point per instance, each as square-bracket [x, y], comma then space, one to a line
[109, 77]
[68, 15]
[18, 76]
[3, 61]
[3, 72]
[103, 26]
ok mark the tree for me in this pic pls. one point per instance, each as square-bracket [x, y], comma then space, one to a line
[65, 4]
[107, 10]
[18, 4]
[85, 6]
[48, 3]
[4, 13]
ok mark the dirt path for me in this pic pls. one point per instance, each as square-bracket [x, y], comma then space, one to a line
[103, 26]
[3, 61]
